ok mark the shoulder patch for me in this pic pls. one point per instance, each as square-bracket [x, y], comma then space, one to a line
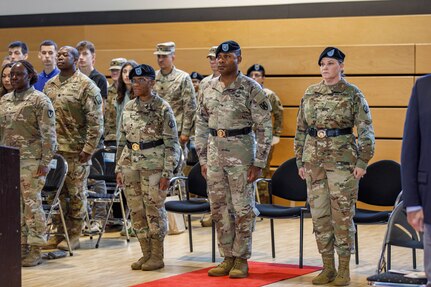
[366, 109]
[98, 100]
[264, 106]
[50, 113]
[171, 124]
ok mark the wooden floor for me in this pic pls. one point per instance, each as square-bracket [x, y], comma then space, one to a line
[110, 264]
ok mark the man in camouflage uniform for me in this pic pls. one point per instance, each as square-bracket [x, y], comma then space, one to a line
[27, 122]
[257, 73]
[229, 156]
[110, 113]
[176, 87]
[78, 106]
[332, 162]
[148, 151]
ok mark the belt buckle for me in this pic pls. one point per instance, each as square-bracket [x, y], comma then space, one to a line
[135, 146]
[221, 133]
[321, 134]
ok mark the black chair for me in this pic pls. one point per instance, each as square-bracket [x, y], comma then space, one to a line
[51, 196]
[103, 168]
[381, 187]
[285, 183]
[195, 184]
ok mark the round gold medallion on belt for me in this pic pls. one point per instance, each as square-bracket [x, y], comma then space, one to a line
[321, 134]
[221, 133]
[135, 146]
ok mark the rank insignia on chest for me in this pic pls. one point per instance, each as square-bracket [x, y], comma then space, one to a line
[135, 146]
[50, 113]
[264, 106]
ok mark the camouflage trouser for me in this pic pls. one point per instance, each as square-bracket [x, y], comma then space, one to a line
[146, 202]
[233, 210]
[33, 220]
[332, 194]
[72, 196]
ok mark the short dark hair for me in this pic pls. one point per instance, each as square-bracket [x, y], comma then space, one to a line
[22, 45]
[48, 43]
[30, 70]
[86, 45]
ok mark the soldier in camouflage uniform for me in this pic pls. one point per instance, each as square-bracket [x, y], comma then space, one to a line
[27, 122]
[257, 73]
[78, 106]
[148, 152]
[229, 156]
[110, 113]
[332, 162]
[176, 87]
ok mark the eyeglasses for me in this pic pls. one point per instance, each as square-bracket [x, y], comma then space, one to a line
[142, 80]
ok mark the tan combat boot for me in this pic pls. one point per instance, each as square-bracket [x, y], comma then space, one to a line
[33, 258]
[343, 277]
[74, 243]
[53, 241]
[239, 269]
[156, 259]
[25, 249]
[146, 251]
[223, 268]
[328, 273]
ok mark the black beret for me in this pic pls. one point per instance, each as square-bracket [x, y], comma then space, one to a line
[331, 52]
[142, 71]
[257, 68]
[196, 75]
[228, 46]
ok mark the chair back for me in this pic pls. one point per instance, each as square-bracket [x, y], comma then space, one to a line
[400, 232]
[103, 164]
[381, 184]
[196, 183]
[57, 174]
[287, 184]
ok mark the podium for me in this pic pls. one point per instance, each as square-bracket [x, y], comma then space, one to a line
[10, 229]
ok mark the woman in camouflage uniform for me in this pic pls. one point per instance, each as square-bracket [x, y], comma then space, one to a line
[332, 161]
[148, 151]
[27, 122]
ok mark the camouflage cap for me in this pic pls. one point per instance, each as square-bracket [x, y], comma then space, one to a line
[256, 68]
[228, 46]
[166, 48]
[142, 71]
[331, 52]
[196, 75]
[117, 63]
[212, 51]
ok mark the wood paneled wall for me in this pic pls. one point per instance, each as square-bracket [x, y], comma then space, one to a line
[385, 54]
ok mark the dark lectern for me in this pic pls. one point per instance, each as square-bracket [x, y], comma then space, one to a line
[10, 239]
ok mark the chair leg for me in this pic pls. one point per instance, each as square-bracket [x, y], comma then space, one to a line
[301, 240]
[189, 224]
[87, 220]
[213, 241]
[272, 238]
[356, 246]
[414, 258]
[389, 258]
[123, 213]
[66, 233]
[111, 203]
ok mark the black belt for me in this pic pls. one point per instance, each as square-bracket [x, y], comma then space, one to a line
[323, 133]
[222, 133]
[142, 145]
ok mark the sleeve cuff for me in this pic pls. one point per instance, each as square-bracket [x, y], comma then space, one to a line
[259, 163]
[361, 164]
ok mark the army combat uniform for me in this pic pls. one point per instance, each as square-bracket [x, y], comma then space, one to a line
[327, 148]
[78, 106]
[27, 122]
[110, 115]
[226, 143]
[148, 150]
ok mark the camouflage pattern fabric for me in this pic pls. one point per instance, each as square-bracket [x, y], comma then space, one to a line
[277, 112]
[119, 112]
[78, 107]
[110, 115]
[329, 162]
[177, 89]
[27, 122]
[242, 104]
[143, 169]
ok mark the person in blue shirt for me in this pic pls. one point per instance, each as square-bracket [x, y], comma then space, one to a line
[48, 56]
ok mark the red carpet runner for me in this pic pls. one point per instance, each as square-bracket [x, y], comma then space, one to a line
[260, 274]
